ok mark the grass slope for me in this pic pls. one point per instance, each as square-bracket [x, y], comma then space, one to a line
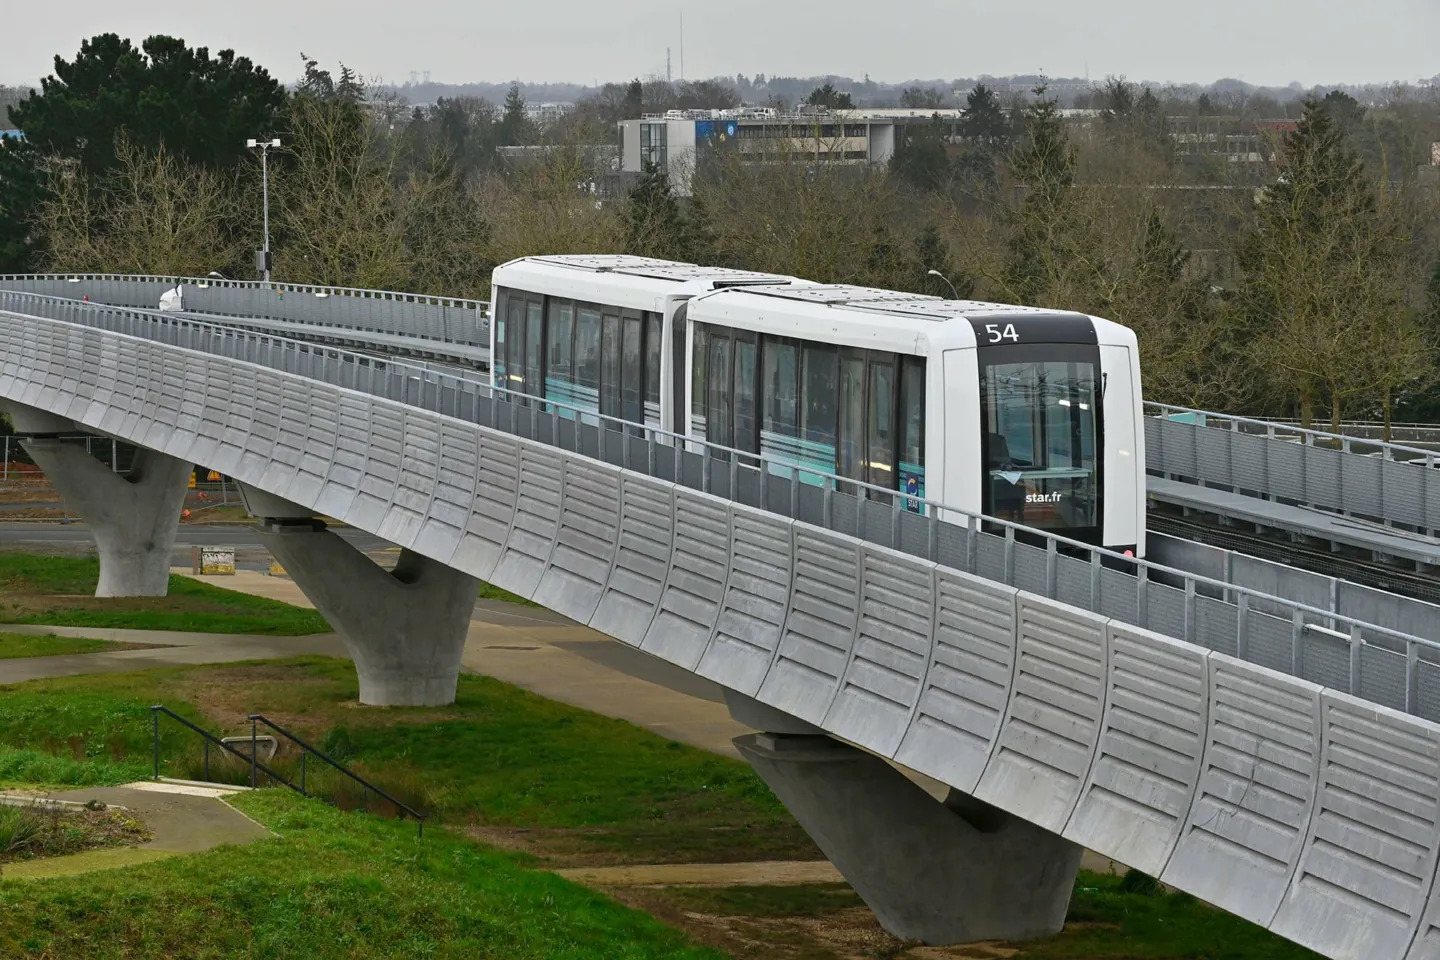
[59, 591]
[331, 885]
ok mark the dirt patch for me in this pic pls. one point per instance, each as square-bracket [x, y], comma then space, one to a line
[230, 694]
[848, 934]
[684, 842]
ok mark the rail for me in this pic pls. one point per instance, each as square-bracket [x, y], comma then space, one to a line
[257, 767]
[1308, 436]
[911, 524]
[321, 290]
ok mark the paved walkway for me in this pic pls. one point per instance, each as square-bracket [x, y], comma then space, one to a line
[181, 819]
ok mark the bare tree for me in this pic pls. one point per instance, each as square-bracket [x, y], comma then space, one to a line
[153, 214]
[548, 206]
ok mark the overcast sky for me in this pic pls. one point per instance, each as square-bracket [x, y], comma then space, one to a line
[1260, 41]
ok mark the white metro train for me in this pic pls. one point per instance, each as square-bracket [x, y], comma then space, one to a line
[1015, 412]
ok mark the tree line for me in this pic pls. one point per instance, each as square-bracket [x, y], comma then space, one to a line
[1305, 284]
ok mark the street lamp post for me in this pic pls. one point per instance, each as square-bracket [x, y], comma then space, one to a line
[937, 273]
[264, 147]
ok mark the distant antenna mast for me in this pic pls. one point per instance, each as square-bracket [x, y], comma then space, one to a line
[668, 78]
[682, 45]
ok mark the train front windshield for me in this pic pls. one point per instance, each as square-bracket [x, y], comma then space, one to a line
[1040, 410]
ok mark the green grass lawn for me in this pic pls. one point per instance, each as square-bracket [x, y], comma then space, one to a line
[59, 591]
[578, 786]
[16, 645]
[330, 885]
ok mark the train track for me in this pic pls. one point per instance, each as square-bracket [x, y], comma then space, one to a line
[1302, 556]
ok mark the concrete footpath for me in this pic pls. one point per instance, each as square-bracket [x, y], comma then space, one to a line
[182, 818]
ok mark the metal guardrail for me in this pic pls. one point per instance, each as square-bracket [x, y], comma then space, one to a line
[1389, 482]
[1282, 634]
[257, 768]
[447, 319]
[1307, 436]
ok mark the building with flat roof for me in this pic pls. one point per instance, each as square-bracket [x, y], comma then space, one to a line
[678, 140]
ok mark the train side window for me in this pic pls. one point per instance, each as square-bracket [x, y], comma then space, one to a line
[587, 349]
[818, 399]
[779, 388]
[534, 352]
[610, 365]
[631, 382]
[880, 431]
[558, 334]
[719, 421]
[699, 360]
[497, 358]
[746, 436]
[912, 419]
[678, 396]
[515, 344]
[851, 438]
[652, 367]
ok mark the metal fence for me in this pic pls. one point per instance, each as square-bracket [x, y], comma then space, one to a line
[1385, 481]
[1385, 666]
[447, 319]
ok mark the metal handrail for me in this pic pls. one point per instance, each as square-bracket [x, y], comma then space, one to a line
[256, 767]
[974, 522]
[483, 306]
[366, 785]
[1271, 428]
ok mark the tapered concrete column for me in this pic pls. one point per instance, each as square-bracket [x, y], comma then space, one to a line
[405, 630]
[940, 873]
[132, 517]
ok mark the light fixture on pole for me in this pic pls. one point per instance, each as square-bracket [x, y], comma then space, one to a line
[262, 258]
[937, 273]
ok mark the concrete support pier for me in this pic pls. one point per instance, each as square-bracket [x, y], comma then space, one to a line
[132, 517]
[940, 873]
[405, 629]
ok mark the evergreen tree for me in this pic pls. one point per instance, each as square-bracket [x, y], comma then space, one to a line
[983, 119]
[634, 99]
[201, 108]
[515, 126]
[886, 265]
[21, 193]
[1045, 164]
[1322, 276]
[933, 253]
[921, 160]
[828, 96]
[655, 227]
